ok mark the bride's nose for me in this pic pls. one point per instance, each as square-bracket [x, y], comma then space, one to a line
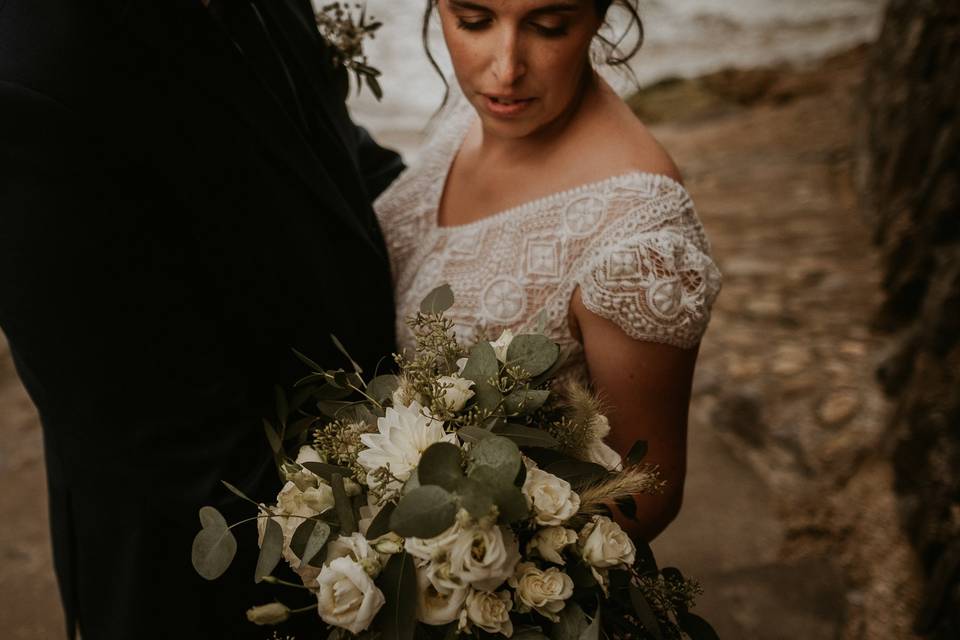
[508, 64]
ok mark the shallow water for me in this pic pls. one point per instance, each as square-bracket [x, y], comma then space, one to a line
[683, 38]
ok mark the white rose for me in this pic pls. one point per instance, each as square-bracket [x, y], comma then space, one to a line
[293, 501]
[545, 591]
[604, 544]
[501, 344]
[552, 499]
[484, 557]
[435, 548]
[434, 606]
[550, 543]
[456, 391]
[357, 548]
[347, 597]
[490, 611]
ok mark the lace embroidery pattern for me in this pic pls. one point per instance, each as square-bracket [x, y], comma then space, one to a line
[632, 243]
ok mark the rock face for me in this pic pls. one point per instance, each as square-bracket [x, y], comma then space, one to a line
[910, 182]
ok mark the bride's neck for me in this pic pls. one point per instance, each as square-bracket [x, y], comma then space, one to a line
[546, 138]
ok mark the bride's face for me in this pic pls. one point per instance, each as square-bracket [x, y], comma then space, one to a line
[521, 63]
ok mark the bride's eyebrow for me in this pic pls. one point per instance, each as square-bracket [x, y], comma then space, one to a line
[468, 6]
[557, 7]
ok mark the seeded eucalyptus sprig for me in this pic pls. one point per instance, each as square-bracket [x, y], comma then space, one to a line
[345, 27]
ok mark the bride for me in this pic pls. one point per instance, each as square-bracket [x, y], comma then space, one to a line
[540, 190]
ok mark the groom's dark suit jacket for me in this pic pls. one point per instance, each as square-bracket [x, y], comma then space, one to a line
[183, 198]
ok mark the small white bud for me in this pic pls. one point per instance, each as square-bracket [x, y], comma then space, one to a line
[273, 613]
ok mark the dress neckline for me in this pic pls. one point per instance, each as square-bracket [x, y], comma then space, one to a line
[458, 136]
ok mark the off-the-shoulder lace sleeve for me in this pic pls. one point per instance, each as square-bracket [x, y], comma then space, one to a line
[656, 283]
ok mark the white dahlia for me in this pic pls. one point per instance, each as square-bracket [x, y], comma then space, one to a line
[403, 434]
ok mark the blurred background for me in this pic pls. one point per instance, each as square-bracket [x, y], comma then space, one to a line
[820, 140]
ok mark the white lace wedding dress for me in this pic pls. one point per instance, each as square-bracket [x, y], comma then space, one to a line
[632, 243]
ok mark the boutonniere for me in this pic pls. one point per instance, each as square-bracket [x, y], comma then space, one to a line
[345, 27]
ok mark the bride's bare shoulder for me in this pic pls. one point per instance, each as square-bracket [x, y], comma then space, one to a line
[621, 143]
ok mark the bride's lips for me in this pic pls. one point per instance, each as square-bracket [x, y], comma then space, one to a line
[506, 106]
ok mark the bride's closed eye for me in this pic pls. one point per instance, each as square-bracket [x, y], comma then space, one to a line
[547, 31]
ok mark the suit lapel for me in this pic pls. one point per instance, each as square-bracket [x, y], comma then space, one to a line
[311, 54]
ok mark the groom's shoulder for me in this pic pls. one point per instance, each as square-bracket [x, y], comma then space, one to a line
[51, 47]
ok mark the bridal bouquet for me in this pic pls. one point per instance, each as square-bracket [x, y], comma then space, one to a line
[466, 494]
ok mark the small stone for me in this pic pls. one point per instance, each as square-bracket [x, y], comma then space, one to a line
[839, 407]
[853, 349]
[741, 368]
[791, 359]
[765, 307]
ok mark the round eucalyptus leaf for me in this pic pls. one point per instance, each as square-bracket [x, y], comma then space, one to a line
[475, 497]
[210, 518]
[440, 465]
[534, 353]
[438, 300]
[498, 453]
[482, 363]
[510, 501]
[424, 512]
[213, 551]
[525, 402]
[381, 388]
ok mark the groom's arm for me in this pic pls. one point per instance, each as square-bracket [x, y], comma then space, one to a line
[379, 166]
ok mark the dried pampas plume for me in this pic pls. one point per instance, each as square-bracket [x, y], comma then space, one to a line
[633, 480]
[583, 422]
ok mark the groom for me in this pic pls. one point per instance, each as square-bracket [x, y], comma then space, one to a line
[183, 198]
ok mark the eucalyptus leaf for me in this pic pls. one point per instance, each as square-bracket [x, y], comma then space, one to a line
[440, 465]
[299, 427]
[424, 512]
[348, 524]
[473, 434]
[325, 470]
[210, 518]
[474, 497]
[499, 453]
[592, 632]
[280, 404]
[307, 361]
[696, 627]
[214, 546]
[534, 353]
[526, 436]
[397, 619]
[382, 387]
[486, 396]
[571, 623]
[309, 539]
[343, 350]
[482, 364]
[381, 522]
[509, 499]
[637, 452]
[525, 402]
[645, 563]
[276, 445]
[645, 613]
[412, 482]
[235, 491]
[271, 549]
[438, 300]
[577, 472]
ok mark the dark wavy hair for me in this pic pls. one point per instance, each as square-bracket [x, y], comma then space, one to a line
[614, 55]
